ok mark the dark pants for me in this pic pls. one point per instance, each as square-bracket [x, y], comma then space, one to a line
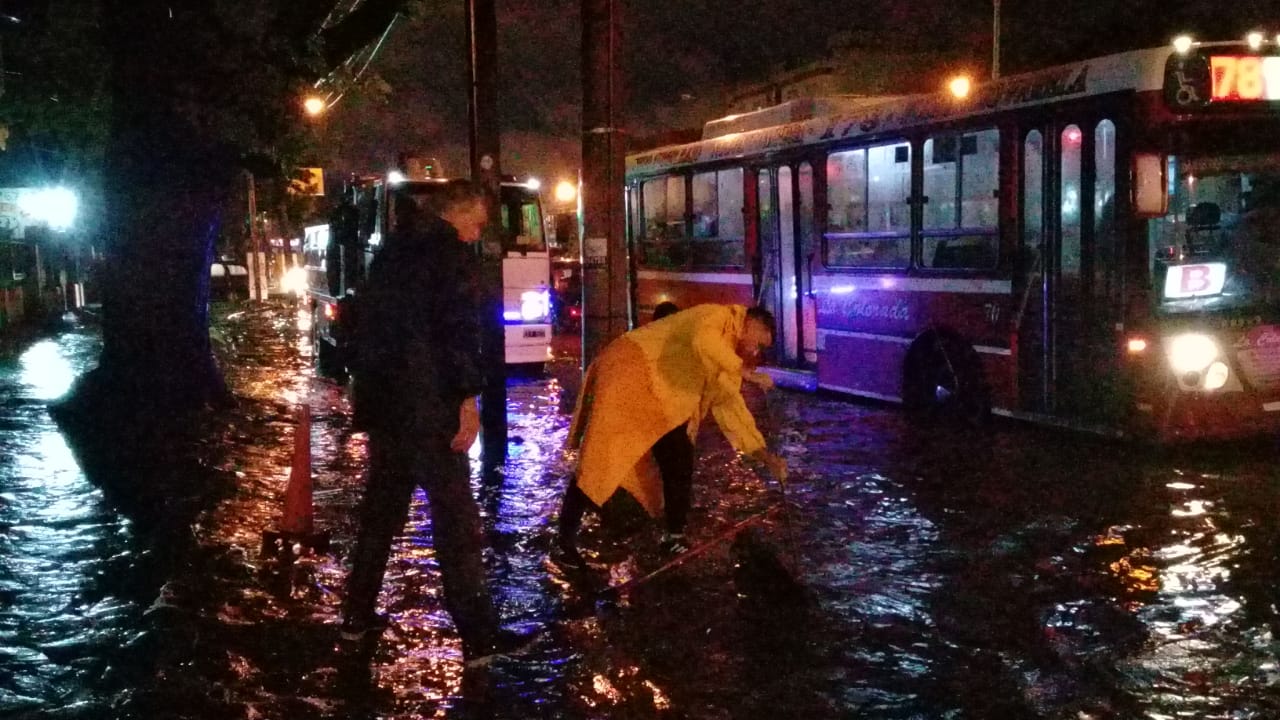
[398, 464]
[674, 454]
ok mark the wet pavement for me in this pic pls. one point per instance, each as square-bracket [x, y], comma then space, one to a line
[1018, 573]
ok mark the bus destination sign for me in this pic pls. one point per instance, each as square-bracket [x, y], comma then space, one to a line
[1197, 81]
[1244, 78]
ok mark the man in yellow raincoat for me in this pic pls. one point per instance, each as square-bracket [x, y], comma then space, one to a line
[640, 406]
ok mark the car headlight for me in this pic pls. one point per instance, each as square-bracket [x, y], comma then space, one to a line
[535, 305]
[1191, 352]
[294, 281]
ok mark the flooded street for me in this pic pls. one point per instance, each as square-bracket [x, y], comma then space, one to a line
[1016, 573]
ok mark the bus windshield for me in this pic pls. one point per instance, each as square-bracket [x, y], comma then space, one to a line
[1218, 248]
[522, 221]
[521, 213]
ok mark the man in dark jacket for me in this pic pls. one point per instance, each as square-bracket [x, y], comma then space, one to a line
[416, 388]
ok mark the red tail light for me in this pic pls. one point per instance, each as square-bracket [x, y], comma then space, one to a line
[330, 311]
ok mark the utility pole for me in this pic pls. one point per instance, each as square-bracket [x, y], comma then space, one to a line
[252, 260]
[482, 44]
[995, 40]
[606, 274]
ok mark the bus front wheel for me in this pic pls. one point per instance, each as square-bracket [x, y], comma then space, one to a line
[943, 380]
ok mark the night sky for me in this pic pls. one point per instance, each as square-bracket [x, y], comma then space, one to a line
[682, 56]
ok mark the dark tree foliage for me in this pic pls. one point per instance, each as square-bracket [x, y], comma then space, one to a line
[196, 94]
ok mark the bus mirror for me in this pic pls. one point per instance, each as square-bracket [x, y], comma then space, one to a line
[1150, 185]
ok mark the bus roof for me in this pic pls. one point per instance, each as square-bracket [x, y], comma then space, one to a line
[832, 122]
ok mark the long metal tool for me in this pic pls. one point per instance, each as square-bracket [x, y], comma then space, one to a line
[691, 553]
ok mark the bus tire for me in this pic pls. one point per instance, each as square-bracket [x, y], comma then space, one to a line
[943, 381]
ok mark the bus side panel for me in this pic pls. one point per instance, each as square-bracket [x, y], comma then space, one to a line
[689, 289]
[867, 323]
[860, 365]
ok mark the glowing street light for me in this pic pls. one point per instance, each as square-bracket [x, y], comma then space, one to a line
[314, 105]
[566, 192]
[56, 207]
[960, 86]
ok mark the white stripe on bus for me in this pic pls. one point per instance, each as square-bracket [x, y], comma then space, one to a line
[697, 277]
[835, 283]
[822, 333]
[841, 285]
[992, 350]
[861, 336]
[864, 393]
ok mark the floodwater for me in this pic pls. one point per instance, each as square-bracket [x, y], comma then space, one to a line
[1013, 574]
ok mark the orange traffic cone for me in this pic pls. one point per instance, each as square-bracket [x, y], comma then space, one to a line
[297, 528]
[298, 511]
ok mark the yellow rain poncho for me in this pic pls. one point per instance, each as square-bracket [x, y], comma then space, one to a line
[650, 381]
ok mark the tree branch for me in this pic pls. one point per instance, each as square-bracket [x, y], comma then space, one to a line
[301, 21]
[357, 30]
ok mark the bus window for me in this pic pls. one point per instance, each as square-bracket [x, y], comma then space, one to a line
[961, 175]
[888, 208]
[1216, 247]
[718, 231]
[1107, 262]
[1033, 199]
[869, 220]
[940, 184]
[522, 225]
[1069, 259]
[662, 237]
[633, 214]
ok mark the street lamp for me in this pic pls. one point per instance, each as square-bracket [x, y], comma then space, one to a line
[960, 86]
[314, 105]
[566, 192]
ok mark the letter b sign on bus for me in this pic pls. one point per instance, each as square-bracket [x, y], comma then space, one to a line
[1188, 281]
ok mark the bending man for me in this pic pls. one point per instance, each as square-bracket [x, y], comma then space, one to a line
[642, 401]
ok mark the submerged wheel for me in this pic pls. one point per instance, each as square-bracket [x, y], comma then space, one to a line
[943, 380]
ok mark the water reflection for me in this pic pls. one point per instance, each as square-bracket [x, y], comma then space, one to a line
[45, 370]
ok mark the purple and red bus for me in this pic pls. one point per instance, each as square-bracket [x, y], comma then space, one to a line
[1095, 245]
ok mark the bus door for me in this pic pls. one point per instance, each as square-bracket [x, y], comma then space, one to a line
[1072, 269]
[784, 218]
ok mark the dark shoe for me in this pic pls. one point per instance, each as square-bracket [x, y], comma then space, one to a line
[366, 632]
[509, 643]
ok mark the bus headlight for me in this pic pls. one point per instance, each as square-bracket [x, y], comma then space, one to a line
[535, 305]
[1191, 353]
[1216, 376]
